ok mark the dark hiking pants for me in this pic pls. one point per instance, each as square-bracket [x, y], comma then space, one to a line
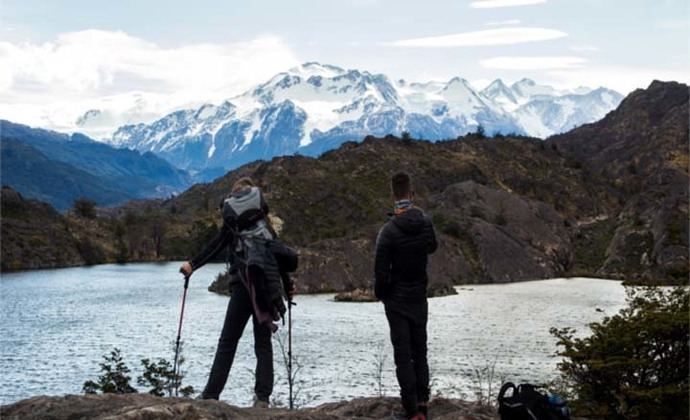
[238, 313]
[407, 323]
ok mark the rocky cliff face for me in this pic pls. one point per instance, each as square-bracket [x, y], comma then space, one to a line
[34, 235]
[501, 237]
[148, 407]
[642, 150]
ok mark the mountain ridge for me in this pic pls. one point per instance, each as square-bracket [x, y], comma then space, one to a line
[81, 166]
[322, 106]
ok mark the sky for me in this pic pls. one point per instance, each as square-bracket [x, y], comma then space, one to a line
[141, 59]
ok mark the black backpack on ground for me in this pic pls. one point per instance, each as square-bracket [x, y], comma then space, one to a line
[524, 402]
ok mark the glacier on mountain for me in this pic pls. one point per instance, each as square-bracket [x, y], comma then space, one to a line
[316, 107]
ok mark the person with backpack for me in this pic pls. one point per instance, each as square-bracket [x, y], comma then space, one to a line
[402, 248]
[259, 282]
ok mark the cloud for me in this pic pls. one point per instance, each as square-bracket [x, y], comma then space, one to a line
[622, 79]
[678, 24]
[53, 83]
[583, 48]
[533, 63]
[502, 36]
[490, 4]
[504, 22]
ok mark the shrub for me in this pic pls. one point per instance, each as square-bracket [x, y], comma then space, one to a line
[115, 378]
[448, 226]
[83, 207]
[501, 219]
[452, 228]
[635, 363]
[91, 252]
[159, 376]
[480, 133]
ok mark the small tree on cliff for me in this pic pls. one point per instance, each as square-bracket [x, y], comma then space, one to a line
[83, 207]
[635, 363]
[159, 376]
[481, 132]
[115, 378]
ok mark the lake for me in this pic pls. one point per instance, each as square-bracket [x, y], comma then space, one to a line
[57, 324]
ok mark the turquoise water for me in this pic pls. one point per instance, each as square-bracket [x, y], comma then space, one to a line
[56, 325]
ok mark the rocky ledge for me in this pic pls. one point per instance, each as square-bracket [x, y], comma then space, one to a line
[367, 295]
[221, 285]
[357, 295]
[145, 406]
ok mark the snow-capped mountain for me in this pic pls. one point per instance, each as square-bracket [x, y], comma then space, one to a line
[316, 107]
[543, 116]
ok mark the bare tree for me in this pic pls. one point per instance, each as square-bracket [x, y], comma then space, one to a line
[486, 383]
[157, 233]
[379, 364]
[299, 397]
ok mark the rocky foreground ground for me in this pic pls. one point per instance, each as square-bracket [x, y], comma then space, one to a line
[148, 407]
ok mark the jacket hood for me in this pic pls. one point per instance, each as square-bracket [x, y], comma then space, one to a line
[411, 222]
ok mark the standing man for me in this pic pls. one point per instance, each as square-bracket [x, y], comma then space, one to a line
[402, 250]
[258, 284]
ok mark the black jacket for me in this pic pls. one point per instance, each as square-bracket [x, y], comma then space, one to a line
[402, 250]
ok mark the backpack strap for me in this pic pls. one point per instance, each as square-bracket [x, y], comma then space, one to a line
[506, 386]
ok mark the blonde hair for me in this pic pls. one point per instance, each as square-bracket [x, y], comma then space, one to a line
[242, 183]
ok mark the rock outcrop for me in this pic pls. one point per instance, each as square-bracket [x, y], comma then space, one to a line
[641, 151]
[148, 407]
[34, 235]
[502, 236]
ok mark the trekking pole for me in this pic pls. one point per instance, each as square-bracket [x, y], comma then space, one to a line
[290, 303]
[179, 333]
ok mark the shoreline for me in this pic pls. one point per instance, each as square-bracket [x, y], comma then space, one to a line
[38, 269]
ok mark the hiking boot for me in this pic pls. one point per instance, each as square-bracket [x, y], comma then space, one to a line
[259, 403]
[423, 408]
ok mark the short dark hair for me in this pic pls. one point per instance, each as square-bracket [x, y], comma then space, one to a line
[401, 185]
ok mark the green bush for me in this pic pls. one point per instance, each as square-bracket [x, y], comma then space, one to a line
[635, 363]
[91, 252]
[83, 207]
[115, 378]
[158, 376]
[481, 132]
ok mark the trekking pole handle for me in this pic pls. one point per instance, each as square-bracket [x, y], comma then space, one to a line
[186, 278]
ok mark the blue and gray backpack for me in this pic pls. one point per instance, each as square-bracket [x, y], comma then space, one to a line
[524, 402]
